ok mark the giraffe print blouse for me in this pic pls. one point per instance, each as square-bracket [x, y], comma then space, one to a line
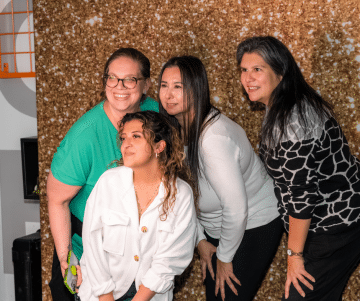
[315, 175]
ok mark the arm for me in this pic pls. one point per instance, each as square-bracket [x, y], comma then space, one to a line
[298, 230]
[143, 294]
[221, 160]
[301, 198]
[221, 166]
[107, 297]
[59, 196]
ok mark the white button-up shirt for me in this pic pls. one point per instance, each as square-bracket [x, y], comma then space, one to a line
[119, 249]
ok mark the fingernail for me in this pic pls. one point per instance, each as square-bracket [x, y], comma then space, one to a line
[303, 295]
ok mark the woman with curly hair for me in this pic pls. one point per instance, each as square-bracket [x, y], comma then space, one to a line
[140, 222]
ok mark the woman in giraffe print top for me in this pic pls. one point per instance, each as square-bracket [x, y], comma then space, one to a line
[317, 180]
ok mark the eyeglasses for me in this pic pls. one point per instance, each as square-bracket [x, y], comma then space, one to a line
[128, 82]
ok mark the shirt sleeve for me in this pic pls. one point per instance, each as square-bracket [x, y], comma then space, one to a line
[221, 166]
[97, 266]
[200, 232]
[72, 161]
[176, 245]
[298, 166]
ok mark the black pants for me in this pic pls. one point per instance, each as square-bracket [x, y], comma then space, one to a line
[250, 263]
[330, 259]
[129, 294]
[59, 291]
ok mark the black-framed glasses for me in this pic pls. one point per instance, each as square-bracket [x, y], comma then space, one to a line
[128, 82]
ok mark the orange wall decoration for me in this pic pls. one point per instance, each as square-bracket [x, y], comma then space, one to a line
[4, 69]
[75, 38]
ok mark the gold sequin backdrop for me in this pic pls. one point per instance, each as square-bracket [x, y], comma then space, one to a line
[74, 39]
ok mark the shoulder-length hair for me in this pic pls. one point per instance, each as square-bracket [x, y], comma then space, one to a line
[156, 128]
[196, 94]
[292, 91]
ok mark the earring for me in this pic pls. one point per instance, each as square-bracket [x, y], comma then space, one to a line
[156, 155]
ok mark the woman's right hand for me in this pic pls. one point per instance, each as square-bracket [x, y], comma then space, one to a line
[296, 272]
[206, 251]
[63, 265]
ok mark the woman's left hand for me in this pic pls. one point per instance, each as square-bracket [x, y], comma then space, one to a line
[224, 273]
[295, 272]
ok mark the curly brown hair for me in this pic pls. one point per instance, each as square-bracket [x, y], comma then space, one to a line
[156, 128]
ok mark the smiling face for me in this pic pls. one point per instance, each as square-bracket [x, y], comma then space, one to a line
[135, 149]
[122, 100]
[172, 95]
[257, 78]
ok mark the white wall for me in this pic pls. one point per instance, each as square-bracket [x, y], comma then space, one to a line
[17, 120]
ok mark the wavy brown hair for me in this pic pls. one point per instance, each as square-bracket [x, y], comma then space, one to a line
[171, 160]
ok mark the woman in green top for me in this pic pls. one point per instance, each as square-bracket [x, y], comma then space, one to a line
[87, 151]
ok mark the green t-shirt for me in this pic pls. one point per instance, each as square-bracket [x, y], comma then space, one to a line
[87, 150]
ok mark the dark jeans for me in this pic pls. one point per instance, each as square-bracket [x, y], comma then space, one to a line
[330, 259]
[250, 263]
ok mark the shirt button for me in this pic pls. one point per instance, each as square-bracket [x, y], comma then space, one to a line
[136, 258]
[144, 229]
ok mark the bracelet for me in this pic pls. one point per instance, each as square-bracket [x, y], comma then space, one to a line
[292, 253]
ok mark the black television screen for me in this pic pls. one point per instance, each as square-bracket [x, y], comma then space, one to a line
[30, 167]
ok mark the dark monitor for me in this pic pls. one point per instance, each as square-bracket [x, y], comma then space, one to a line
[30, 167]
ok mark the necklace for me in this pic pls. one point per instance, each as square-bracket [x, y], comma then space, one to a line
[148, 203]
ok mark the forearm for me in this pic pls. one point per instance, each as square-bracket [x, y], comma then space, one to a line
[59, 196]
[60, 225]
[143, 294]
[298, 230]
[107, 297]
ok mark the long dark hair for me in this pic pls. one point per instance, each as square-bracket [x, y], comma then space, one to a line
[156, 128]
[196, 94]
[293, 91]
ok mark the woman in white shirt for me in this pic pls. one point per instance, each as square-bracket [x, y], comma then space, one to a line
[238, 224]
[140, 222]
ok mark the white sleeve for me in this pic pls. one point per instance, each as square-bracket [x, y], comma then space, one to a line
[221, 163]
[200, 232]
[97, 266]
[176, 245]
